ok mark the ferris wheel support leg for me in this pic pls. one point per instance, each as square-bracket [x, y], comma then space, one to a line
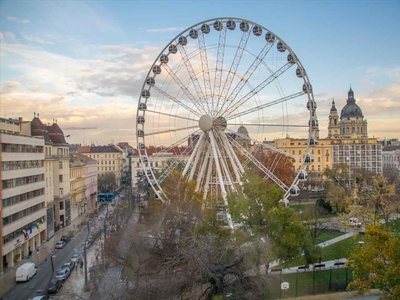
[197, 158]
[202, 169]
[237, 167]
[228, 175]
[220, 178]
[207, 183]
[196, 148]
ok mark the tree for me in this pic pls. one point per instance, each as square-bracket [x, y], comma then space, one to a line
[377, 263]
[107, 182]
[339, 173]
[338, 198]
[279, 164]
[379, 201]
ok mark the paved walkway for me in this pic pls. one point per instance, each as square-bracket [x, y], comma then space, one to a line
[7, 279]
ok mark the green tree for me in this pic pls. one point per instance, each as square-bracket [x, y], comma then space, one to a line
[377, 263]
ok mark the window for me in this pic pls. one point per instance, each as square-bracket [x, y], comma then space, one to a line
[61, 205]
[60, 165]
[60, 178]
[61, 192]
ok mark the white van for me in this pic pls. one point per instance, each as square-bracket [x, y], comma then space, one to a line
[25, 272]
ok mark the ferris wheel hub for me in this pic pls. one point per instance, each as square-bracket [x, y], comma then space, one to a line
[205, 123]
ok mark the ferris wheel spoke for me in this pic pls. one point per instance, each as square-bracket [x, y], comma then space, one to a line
[173, 165]
[166, 150]
[170, 115]
[171, 130]
[258, 88]
[265, 105]
[259, 165]
[218, 68]
[263, 145]
[250, 71]
[269, 125]
[185, 90]
[206, 71]
[193, 79]
[233, 69]
[195, 112]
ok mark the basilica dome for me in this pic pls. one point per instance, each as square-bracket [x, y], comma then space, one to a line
[351, 109]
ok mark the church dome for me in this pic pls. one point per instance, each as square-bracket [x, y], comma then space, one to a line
[243, 131]
[351, 109]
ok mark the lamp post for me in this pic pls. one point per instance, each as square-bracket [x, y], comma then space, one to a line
[52, 272]
[85, 253]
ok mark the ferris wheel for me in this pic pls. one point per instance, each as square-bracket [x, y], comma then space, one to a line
[213, 97]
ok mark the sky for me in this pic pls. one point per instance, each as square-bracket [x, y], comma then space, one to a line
[83, 63]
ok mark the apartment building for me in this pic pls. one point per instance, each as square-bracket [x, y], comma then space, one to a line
[109, 158]
[22, 189]
[57, 173]
[77, 186]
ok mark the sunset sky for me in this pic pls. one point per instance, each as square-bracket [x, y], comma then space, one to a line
[84, 62]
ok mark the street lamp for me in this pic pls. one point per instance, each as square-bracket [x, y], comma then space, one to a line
[52, 269]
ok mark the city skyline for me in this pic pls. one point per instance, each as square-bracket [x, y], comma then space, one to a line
[83, 63]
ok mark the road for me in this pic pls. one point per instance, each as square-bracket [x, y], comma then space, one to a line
[27, 290]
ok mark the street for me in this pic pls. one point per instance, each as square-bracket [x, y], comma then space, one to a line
[40, 281]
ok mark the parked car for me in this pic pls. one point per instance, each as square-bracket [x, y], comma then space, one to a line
[66, 238]
[62, 274]
[60, 244]
[75, 258]
[54, 286]
[69, 265]
[25, 272]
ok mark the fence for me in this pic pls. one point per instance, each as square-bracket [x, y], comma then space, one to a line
[304, 282]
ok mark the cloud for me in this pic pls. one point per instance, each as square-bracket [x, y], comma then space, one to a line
[36, 40]
[162, 30]
[18, 20]
[7, 37]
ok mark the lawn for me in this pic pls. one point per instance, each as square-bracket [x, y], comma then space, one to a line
[394, 225]
[308, 283]
[338, 250]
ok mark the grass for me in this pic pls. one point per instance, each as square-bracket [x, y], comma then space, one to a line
[394, 225]
[328, 235]
[342, 249]
[307, 283]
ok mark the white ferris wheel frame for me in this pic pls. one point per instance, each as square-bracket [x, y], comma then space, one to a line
[216, 150]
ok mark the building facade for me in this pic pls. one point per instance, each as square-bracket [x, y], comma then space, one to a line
[109, 158]
[57, 173]
[391, 161]
[77, 186]
[347, 143]
[23, 199]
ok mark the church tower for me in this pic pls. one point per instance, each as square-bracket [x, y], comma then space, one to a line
[352, 123]
[333, 126]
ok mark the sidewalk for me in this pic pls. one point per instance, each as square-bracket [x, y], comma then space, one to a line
[7, 279]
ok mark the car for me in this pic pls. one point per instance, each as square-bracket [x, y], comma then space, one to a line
[60, 244]
[69, 265]
[55, 286]
[39, 298]
[75, 258]
[62, 274]
[66, 238]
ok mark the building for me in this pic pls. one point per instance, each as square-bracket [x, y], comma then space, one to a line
[158, 159]
[110, 159]
[77, 186]
[22, 189]
[347, 143]
[391, 161]
[57, 174]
